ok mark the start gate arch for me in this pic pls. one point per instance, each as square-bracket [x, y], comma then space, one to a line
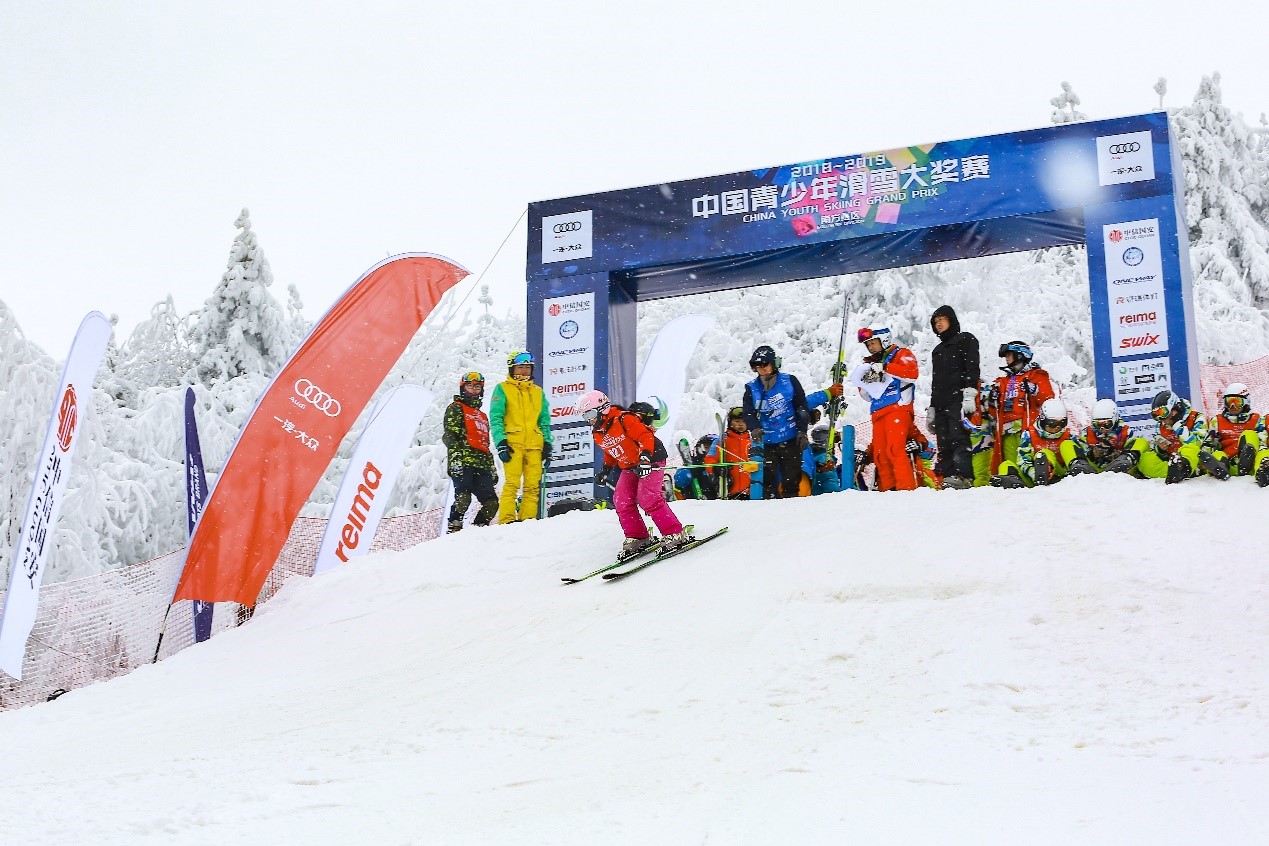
[1114, 185]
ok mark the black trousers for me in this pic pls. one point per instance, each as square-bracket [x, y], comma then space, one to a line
[954, 458]
[783, 462]
[469, 481]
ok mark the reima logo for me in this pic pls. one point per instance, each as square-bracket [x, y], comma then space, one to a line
[576, 388]
[1143, 317]
[1147, 340]
[350, 534]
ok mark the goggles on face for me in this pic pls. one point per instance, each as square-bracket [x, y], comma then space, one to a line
[590, 415]
[522, 358]
[1162, 413]
[1103, 425]
[1237, 403]
[473, 377]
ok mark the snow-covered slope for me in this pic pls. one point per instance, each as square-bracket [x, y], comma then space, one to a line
[1082, 664]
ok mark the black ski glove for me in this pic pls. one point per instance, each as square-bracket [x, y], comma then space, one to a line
[644, 467]
[913, 446]
[504, 451]
[860, 458]
[803, 441]
[546, 454]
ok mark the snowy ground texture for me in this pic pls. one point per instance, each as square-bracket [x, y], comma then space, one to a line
[1082, 664]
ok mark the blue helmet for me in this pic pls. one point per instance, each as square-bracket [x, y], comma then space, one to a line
[1022, 353]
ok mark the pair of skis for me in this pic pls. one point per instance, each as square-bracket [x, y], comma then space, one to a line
[610, 576]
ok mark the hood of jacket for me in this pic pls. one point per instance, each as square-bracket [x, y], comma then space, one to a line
[954, 325]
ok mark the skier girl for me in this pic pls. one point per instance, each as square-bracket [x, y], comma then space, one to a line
[628, 444]
[466, 439]
[894, 367]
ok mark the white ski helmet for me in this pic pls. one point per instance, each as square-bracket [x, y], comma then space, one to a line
[1105, 414]
[1052, 420]
[590, 405]
[1239, 410]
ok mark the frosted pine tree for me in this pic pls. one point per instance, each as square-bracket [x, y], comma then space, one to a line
[241, 329]
[1227, 208]
[157, 353]
[1064, 106]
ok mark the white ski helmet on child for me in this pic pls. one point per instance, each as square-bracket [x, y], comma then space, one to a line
[1052, 420]
[1236, 402]
[1106, 413]
[590, 405]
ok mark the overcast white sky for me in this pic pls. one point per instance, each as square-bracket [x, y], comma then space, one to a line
[131, 134]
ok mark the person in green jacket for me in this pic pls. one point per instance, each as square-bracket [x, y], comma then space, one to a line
[520, 422]
[471, 466]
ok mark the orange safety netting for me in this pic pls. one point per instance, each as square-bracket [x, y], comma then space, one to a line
[102, 626]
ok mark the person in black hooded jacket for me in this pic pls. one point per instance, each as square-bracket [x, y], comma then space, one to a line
[953, 388]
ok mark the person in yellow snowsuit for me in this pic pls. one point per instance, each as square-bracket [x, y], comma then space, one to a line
[520, 424]
[1237, 435]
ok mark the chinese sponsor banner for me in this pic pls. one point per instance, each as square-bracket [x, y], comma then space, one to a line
[371, 474]
[1134, 288]
[299, 422]
[568, 371]
[664, 372]
[39, 521]
[1137, 381]
[1035, 172]
[195, 500]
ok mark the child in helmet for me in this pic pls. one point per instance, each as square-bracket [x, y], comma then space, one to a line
[629, 444]
[733, 450]
[1107, 443]
[696, 481]
[820, 465]
[1015, 400]
[1237, 435]
[1045, 451]
[520, 420]
[981, 427]
[465, 433]
[1178, 451]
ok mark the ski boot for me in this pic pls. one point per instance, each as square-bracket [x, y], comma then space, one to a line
[957, 483]
[1215, 467]
[673, 541]
[1079, 466]
[636, 546]
[1262, 474]
[1043, 470]
[1178, 470]
[1246, 459]
[1009, 480]
[455, 526]
[1123, 463]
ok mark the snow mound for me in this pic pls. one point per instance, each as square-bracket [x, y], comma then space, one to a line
[1078, 664]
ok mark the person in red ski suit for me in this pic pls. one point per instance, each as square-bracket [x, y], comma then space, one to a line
[895, 368]
[630, 446]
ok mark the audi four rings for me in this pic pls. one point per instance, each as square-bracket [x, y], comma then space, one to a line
[561, 228]
[1130, 147]
[319, 399]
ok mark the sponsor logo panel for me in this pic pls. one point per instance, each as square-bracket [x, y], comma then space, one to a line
[1134, 288]
[567, 237]
[1139, 381]
[1125, 158]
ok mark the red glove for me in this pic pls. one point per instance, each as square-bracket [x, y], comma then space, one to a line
[834, 390]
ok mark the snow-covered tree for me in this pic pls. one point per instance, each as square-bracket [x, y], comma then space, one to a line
[241, 329]
[1227, 207]
[1064, 106]
[157, 354]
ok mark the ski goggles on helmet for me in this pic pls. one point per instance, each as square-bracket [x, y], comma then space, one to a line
[471, 376]
[868, 334]
[1103, 424]
[1237, 404]
[1052, 428]
[521, 358]
[1162, 412]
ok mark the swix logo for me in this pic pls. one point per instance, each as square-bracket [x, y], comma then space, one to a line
[1116, 235]
[562, 411]
[1147, 340]
[1143, 317]
[575, 388]
[554, 309]
[355, 522]
[67, 416]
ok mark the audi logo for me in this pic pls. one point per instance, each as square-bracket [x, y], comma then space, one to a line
[1131, 147]
[561, 228]
[319, 399]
